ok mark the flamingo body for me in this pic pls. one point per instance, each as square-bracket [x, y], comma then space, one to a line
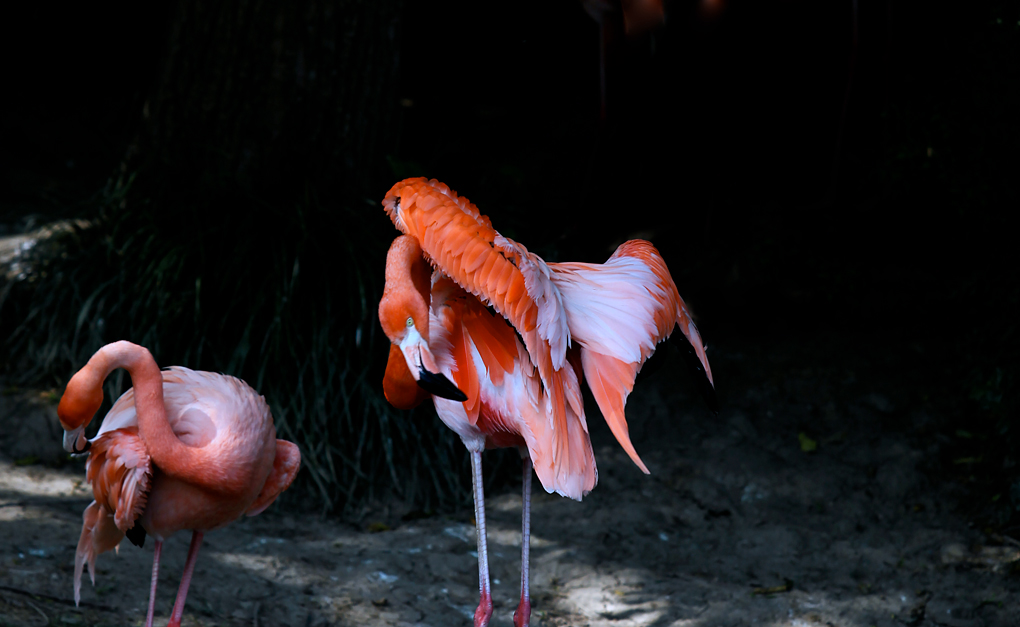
[506, 405]
[503, 402]
[235, 464]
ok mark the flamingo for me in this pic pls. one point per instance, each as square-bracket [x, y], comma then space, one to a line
[182, 449]
[439, 332]
[519, 391]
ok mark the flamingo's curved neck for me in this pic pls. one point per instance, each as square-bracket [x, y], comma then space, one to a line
[407, 288]
[166, 450]
[405, 267]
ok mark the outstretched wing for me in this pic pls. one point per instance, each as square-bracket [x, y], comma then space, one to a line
[618, 312]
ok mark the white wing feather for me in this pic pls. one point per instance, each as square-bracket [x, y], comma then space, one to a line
[610, 308]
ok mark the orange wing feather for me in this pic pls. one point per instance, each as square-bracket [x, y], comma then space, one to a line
[465, 374]
[619, 311]
[119, 470]
[461, 242]
[533, 296]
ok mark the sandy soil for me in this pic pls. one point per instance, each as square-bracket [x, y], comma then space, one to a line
[737, 525]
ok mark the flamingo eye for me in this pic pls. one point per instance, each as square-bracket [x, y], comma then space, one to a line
[410, 322]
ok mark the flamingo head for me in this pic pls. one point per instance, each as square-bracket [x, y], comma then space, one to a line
[404, 315]
[80, 402]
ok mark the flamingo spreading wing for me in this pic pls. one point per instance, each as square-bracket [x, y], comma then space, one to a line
[182, 449]
[490, 393]
[617, 311]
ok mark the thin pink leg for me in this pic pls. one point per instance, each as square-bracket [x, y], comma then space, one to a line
[484, 611]
[152, 586]
[522, 617]
[189, 568]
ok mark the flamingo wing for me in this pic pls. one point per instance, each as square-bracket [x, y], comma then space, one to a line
[505, 396]
[561, 455]
[477, 345]
[461, 242]
[99, 534]
[120, 472]
[618, 312]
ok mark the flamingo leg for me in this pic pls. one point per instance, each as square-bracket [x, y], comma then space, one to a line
[522, 617]
[484, 611]
[189, 568]
[152, 586]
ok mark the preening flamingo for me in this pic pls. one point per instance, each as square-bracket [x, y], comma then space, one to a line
[578, 321]
[182, 449]
[440, 332]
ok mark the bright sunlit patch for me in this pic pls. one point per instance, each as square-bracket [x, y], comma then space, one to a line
[28, 481]
[599, 597]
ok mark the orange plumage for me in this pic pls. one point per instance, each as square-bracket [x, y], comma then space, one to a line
[617, 311]
[577, 321]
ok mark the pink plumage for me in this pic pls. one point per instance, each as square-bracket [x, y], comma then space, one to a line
[181, 450]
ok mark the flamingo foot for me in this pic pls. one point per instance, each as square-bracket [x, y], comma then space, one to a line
[522, 616]
[484, 611]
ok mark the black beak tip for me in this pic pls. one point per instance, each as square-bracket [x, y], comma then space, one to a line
[438, 385]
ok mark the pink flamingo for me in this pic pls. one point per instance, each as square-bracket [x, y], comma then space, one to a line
[182, 449]
[486, 388]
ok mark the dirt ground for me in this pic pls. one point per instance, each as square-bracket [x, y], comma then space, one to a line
[740, 522]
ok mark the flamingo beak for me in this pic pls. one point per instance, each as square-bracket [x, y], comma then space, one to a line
[75, 442]
[425, 370]
[437, 384]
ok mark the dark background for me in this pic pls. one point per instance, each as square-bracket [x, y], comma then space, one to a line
[731, 135]
[806, 168]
